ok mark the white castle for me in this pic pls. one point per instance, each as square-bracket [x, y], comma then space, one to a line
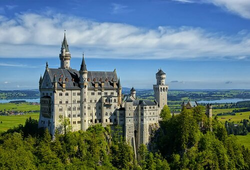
[87, 98]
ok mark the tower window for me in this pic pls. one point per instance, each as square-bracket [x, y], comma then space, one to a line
[66, 94]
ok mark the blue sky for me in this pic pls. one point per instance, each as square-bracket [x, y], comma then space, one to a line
[200, 44]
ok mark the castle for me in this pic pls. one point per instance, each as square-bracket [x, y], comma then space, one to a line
[87, 98]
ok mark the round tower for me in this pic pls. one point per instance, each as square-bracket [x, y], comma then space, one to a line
[84, 95]
[160, 89]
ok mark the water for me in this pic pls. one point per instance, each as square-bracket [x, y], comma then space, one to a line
[235, 100]
[27, 100]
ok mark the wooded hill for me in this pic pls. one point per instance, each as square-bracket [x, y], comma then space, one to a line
[182, 142]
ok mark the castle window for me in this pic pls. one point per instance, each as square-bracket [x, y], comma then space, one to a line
[60, 116]
[78, 101]
[95, 101]
[66, 94]
[79, 122]
[106, 113]
[90, 101]
[89, 108]
[106, 120]
[74, 101]
[84, 120]
[112, 93]
[84, 114]
[74, 115]
[74, 122]
[110, 120]
[67, 102]
[69, 108]
[74, 94]
[60, 94]
[60, 109]
[74, 108]
[60, 102]
[142, 120]
[95, 121]
[85, 100]
[106, 93]
[99, 93]
[78, 108]
[92, 93]
[78, 94]
[114, 100]
[68, 115]
[100, 120]
[91, 120]
[78, 115]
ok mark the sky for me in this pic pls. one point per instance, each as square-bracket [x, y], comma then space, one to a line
[199, 44]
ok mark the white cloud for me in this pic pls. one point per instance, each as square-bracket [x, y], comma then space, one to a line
[16, 65]
[239, 7]
[184, 1]
[33, 35]
[118, 8]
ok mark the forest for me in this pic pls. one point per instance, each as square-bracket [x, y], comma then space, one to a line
[186, 141]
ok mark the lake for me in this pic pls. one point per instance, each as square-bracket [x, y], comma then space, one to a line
[235, 100]
[27, 100]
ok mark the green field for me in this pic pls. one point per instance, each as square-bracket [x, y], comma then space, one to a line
[244, 140]
[237, 118]
[23, 107]
[14, 120]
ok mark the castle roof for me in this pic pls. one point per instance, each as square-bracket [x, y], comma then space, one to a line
[144, 102]
[71, 78]
[160, 72]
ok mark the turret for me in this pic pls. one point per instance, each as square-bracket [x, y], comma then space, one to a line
[133, 93]
[160, 77]
[65, 55]
[84, 97]
[83, 71]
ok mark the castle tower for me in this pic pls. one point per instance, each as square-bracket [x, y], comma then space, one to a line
[65, 55]
[160, 89]
[133, 93]
[84, 95]
[209, 111]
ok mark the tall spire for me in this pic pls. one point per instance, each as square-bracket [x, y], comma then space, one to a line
[64, 43]
[83, 65]
[65, 55]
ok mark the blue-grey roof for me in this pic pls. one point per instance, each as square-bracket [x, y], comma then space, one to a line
[160, 72]
[71, 78]
[144, 102]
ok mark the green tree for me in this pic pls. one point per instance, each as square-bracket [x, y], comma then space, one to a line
[165, 113]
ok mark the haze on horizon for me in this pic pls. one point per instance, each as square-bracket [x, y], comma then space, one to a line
[199, 44]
